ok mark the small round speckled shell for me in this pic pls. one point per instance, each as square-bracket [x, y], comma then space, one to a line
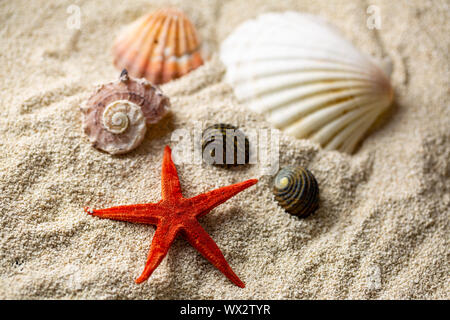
[234, 150]
[128, 102]
[297, 191]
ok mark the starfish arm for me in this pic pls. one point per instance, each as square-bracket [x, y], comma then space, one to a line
[148, 213]
[170, 183]
[162, 240]
[200, 240]
[205, 202]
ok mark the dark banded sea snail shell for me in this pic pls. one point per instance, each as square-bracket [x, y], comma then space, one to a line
[225, 145]
[296, 190]
[115, 117]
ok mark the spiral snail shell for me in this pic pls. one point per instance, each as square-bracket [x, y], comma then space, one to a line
[296, 190]
[225, 145]
[115, 117]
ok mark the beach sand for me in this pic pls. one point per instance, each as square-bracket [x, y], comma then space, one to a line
[382, 230]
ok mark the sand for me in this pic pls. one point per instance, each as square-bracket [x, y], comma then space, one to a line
[382, 230]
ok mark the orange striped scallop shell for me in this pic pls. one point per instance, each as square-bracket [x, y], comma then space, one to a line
[160, 46]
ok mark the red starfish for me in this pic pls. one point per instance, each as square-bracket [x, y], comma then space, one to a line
[175, 214]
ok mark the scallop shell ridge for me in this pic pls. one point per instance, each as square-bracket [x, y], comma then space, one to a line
[160, 46]
[306, 78]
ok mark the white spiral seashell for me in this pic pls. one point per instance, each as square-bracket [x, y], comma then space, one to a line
[123, 127]
[115, 118]
[116, 114]
[306, 78]
[126, 121]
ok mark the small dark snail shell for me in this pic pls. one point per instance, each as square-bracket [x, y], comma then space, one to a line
[296, 190]
[225, 145]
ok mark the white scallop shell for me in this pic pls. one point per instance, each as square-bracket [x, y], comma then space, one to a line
[306, 78]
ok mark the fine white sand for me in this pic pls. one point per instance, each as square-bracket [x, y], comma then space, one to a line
[382, 230]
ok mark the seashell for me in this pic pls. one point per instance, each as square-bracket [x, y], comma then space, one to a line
[160, 46]
[306, 78]
[296, 190]
[116, 115]
[225, 145]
